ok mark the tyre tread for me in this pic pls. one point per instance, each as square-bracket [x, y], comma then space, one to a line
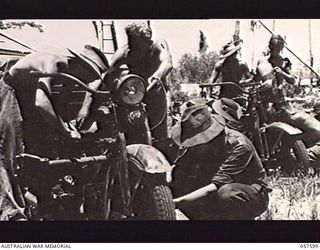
[164, 203]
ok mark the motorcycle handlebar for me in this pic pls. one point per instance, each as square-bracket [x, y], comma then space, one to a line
[39, 74]
[153, 84]
[231, 84]
[34, 160]
[79, 161]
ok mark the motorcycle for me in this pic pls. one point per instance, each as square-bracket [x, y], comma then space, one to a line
[101, 176]
[278, 143]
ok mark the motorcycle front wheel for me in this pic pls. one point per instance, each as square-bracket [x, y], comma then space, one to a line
[149, 201]
[297, 157]
[153, 204]
[294, 157]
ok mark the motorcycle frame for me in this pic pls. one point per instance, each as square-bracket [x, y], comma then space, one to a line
[115, 171]
[257, 110]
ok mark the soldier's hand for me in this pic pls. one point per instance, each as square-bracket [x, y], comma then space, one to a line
[152, 81]
[240, 197]
[73, 132]
[278, 70]
[83, 114]
[75, 135]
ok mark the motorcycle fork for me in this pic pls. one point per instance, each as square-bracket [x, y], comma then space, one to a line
[261, 137]
[277, 141]
[119, 171]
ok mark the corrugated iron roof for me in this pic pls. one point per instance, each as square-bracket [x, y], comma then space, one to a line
[11, 46]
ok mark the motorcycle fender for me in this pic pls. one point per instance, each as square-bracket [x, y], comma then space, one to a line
[290, 130]
[151, 159]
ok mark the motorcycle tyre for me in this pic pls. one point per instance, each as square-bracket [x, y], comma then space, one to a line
[152, 202]
[301, 160]
[164, 203]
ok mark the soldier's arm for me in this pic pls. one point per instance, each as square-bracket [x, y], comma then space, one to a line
[248, 77]
[288, 76]
[85, 109]
[195, 195]
[216, 72]
[165, 60]
[257, 76]
[117, 60]
[47, 111]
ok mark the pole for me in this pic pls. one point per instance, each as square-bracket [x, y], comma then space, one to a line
[114, 36]
[236, 36]
[253, 48]
[273, 25]
[305, 64]
[310, 52]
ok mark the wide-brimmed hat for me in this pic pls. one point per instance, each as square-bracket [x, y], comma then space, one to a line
[93, 57]
[228, 109]
[229, 49]
[191, 106]
[189, 136]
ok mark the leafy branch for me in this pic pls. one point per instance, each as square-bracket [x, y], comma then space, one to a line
[20, 25]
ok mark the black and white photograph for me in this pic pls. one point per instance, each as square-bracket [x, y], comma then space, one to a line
[159, 120]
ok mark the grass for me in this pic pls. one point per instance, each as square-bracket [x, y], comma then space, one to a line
[294, 198]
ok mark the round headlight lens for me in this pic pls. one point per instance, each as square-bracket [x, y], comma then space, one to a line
[131, 89]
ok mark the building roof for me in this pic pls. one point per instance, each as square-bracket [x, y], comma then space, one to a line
[12, 47]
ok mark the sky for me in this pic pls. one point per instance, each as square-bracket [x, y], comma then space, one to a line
[182, 36]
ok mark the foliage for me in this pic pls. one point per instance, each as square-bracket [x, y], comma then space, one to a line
[197, 68]
[203, 45]
[13, 25]
[175, 87]
[192, 68]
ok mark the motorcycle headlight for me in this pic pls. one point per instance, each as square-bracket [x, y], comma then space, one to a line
[131, 89]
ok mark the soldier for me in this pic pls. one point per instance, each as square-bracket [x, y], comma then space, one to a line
[34, 94]
[273, 70]
[219, 175]
[232, 70]
[152, 61]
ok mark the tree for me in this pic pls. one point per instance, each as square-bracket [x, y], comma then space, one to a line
[175, 87]
[192, 68]
[197, 68]
[12, 25]
[203, 46]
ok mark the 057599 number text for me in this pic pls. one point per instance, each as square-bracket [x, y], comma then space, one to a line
[311, 246]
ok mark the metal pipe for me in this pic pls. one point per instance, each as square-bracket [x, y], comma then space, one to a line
[40, 74]
[229, 84]
[80, 161]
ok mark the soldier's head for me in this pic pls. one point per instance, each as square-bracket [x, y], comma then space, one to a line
[139, 35]
[197, 125]
[229, 50]
[276, 44]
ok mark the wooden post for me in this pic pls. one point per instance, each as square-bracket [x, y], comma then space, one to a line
[236, 36]
[273, 25]
[310, 52]
[253, 47]
[114, 36]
